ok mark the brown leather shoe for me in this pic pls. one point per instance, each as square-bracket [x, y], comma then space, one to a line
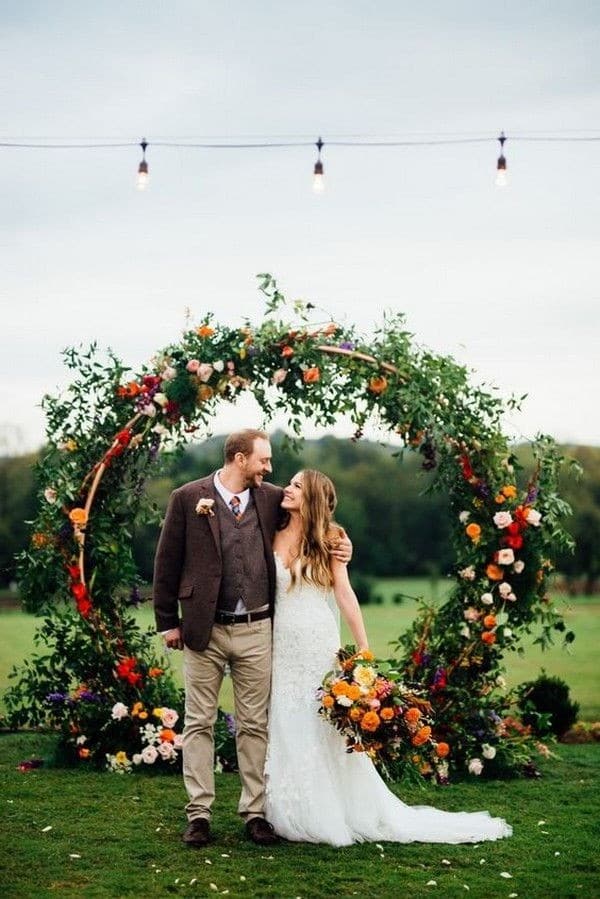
[260, 831]
[197, 833]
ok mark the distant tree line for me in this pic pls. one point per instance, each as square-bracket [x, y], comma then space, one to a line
[398, 526]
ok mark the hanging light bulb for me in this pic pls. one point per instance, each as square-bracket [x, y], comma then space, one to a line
[142, 174]
[318, 180]
[501, 174]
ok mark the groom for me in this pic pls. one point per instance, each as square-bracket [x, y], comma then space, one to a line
[214, 560]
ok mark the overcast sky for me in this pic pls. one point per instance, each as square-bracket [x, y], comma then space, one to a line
[507, 281]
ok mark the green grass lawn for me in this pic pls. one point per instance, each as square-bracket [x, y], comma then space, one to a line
[578, 666]
[84, 834]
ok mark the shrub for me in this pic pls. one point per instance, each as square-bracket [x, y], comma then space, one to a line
[546, 705]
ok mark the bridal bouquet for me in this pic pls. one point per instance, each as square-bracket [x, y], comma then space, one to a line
[379, 715]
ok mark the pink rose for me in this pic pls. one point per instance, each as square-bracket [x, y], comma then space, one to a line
[149, 755]
[169, 717]
[475, 766]
[519, 566]
[279, 376]
[374, 703]
[193, 365]
[471, 614]
[533, 517]
[205, 371]
[504, 589]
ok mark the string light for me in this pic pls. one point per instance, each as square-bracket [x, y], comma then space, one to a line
[142, 173]
[501, 175]
[318, 180]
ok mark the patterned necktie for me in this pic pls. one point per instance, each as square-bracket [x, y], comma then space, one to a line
[235, 504]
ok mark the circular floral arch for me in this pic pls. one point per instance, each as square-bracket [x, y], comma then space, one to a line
[100, 674]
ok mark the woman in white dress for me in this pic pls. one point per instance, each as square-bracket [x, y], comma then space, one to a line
[316, 791]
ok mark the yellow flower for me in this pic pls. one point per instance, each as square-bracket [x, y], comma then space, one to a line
[365, 675]
[157, 713]
[509, 491]
[121, 758]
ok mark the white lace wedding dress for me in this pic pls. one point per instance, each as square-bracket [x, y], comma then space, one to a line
[316, 792]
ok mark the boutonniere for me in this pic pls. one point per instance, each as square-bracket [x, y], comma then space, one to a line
[204, 506]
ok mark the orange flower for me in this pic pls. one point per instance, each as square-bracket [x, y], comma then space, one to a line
[509, 491]
[421, 736]
[287, 351]
[370, 721]
[488, 637]
[78, 517]
[83, 752]
[353, 692]
[136, 708]
[378, 384]
[327, 701]
[204, 393]
[499, 498]
[442, 750]
[489, 621]
[311, 375]
[494, 572]
[356, 714]
[386, 714]
[205, 331]
[473, 531]
[142, 716]
[167, 735]
[366, 655]
[39, 540]
[155, 672]
[412, 715]
[340, 688]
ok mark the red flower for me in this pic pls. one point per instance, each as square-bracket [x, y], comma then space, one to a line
[79, 591]
[74, 572]
[515, 542]
[466, 468]
[84, 605]
[287, 351]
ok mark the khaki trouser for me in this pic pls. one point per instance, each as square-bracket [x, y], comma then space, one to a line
[247, 649]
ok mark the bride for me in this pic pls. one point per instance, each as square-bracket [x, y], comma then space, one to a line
[316, 791]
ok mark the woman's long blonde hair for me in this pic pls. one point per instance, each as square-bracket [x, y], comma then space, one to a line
[319, 532]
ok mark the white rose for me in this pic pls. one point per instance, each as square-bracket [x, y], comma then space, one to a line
[50, 495]
[118, 711]
[519, 566]
[219, 365]
[364, 675]
[533, 517]
[487, 751]
[502, 519]
[81, 740]
[465, 631]
[149, 410]
[505, 557]
[487, 599]
[136, 758]
[169, 717]
[149, 755]
[464, 517]
[468, 573]
[507, 632]
[168, 373]
[511, 597]
[504, 589]
[161, 399]
[279, 376]
[345, 701]
[475, 766]
[160, 430]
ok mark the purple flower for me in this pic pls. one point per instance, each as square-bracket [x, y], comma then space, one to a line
[88, 696]
[230, 724]
[347, 345]
[56, 697]
[532, 495]
[482, 489]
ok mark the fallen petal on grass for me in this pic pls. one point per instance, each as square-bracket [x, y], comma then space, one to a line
[46, 829]
[506, 875]
[446, 862]
[74, 855]
[431, 883]
[540, 823]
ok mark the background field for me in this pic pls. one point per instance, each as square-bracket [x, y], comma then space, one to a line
[578, 666]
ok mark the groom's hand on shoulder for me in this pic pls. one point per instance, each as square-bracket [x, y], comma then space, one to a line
[341, 548]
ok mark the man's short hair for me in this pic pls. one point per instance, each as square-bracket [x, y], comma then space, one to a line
[242, 442]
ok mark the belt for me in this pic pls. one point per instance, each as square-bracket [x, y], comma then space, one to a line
[246, 618]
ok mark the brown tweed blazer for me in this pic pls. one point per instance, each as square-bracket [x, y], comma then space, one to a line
[188, 564]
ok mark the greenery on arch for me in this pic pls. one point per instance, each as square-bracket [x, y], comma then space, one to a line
[100, 680]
